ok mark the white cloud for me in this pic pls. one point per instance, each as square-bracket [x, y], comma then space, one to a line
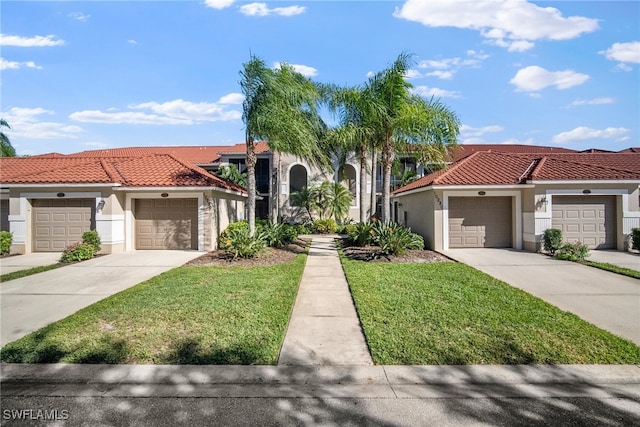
[446, 68]
[25, 123]
[370, 74]
[79, 16]
[412, 74]
[218, 4]
[305, 70]
[176, 112]
[261, 9]
[583, 133]
[232, 99]
[594, 101]
[428, 92]
[513, 24]
[467, 131]
[13, 65]
[623, 53]
[96, 145]
[132, 41]
[35, 41]
[534, 79]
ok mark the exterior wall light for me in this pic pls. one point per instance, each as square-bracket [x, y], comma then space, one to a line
[164, 195]
[60, 194]
[586, 191]
[481, 193]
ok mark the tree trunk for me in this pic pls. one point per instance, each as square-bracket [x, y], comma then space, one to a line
[363, 183]
[251, 185]
[388, 154]
[374, 184]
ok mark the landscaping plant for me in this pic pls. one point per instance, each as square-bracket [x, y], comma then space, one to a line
[237, 241]
[552, 240]
[572, 252]
[6, 238]
[92, 238]
[324, 226]
[394, 239]
[361, 234]
[635, 238]
[77, 252]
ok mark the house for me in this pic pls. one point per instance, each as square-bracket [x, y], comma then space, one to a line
[135, 199]
[508, 198]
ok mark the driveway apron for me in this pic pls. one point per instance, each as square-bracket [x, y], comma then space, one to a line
[324, 328]
[32, 302]
[608, 300]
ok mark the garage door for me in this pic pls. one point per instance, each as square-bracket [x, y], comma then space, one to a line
[166, 223]
[60, 222]
[4, 215]
[589, 219]
[480, 222]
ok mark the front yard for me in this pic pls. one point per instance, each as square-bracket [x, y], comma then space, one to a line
[450, 313]
[189, 315]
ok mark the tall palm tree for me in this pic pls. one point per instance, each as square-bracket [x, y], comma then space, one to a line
[6, 148]
[280, 106]
[356, 130]
[408, 122]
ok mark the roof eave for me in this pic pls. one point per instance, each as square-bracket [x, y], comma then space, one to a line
[466, 187]
[61, 184]
[585, 181]
[174, 188]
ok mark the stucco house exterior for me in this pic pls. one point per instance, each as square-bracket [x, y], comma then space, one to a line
[142, 199]
[508, 199]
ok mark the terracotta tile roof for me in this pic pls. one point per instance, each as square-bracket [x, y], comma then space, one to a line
[498, 168]
[241, 148]
[465, 150]
[156, 170]
[193, 154]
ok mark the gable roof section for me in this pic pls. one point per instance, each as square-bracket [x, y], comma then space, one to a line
[497, 168]
[193, 154]
[465, 150]
[156, 170]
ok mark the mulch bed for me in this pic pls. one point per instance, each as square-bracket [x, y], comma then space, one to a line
[269, 256]
[274, 256]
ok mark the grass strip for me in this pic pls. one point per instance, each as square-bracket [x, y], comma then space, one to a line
[614, 269]
[24, 273]
[452, 314]
[188, 315]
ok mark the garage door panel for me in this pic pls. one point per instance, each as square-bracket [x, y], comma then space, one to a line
[166, 224]
[58, 223]
[480, 222]
[595, 221]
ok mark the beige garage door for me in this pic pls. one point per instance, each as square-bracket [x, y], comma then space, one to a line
[166, 223]
[589, 219]
[480, 222]
[60, 222]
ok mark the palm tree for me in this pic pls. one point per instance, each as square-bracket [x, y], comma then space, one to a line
[7, 149]
[408, 122]
[356, 130]
[339, 201]
[280, 106]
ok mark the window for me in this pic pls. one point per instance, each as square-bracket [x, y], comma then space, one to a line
[297, 178]
[347, 177]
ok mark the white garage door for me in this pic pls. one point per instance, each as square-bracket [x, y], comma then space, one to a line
[166, 223]
[588, 219]
[480, 222]
[60, 222]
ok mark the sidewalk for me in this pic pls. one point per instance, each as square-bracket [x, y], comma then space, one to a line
[15, 263]
[160, 395]
[324, 328]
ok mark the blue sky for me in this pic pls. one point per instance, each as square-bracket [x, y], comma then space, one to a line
[87, 75]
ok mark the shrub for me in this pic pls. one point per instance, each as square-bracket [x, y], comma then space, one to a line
[395, 239]
[324, 226]
[552, 240]
[572, 252]
[361, 234]
[635, 238]
[6, 239]
[77, 252]
[92, 238]
[236, 241]
[277, 235]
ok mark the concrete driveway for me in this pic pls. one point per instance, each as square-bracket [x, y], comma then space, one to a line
[607, 300]
[32, 302]
[15, 263]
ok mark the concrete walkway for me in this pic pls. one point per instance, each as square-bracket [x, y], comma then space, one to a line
[621, 259]
[15, 263]
[608, 300]
[32, 302]
[324, 328]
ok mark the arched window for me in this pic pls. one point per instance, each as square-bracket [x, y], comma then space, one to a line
[347, 177]
[297, 178]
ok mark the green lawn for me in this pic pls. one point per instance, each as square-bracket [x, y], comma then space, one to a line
[450, 313]
[28, 272]
[189, 315]
[614, 269]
